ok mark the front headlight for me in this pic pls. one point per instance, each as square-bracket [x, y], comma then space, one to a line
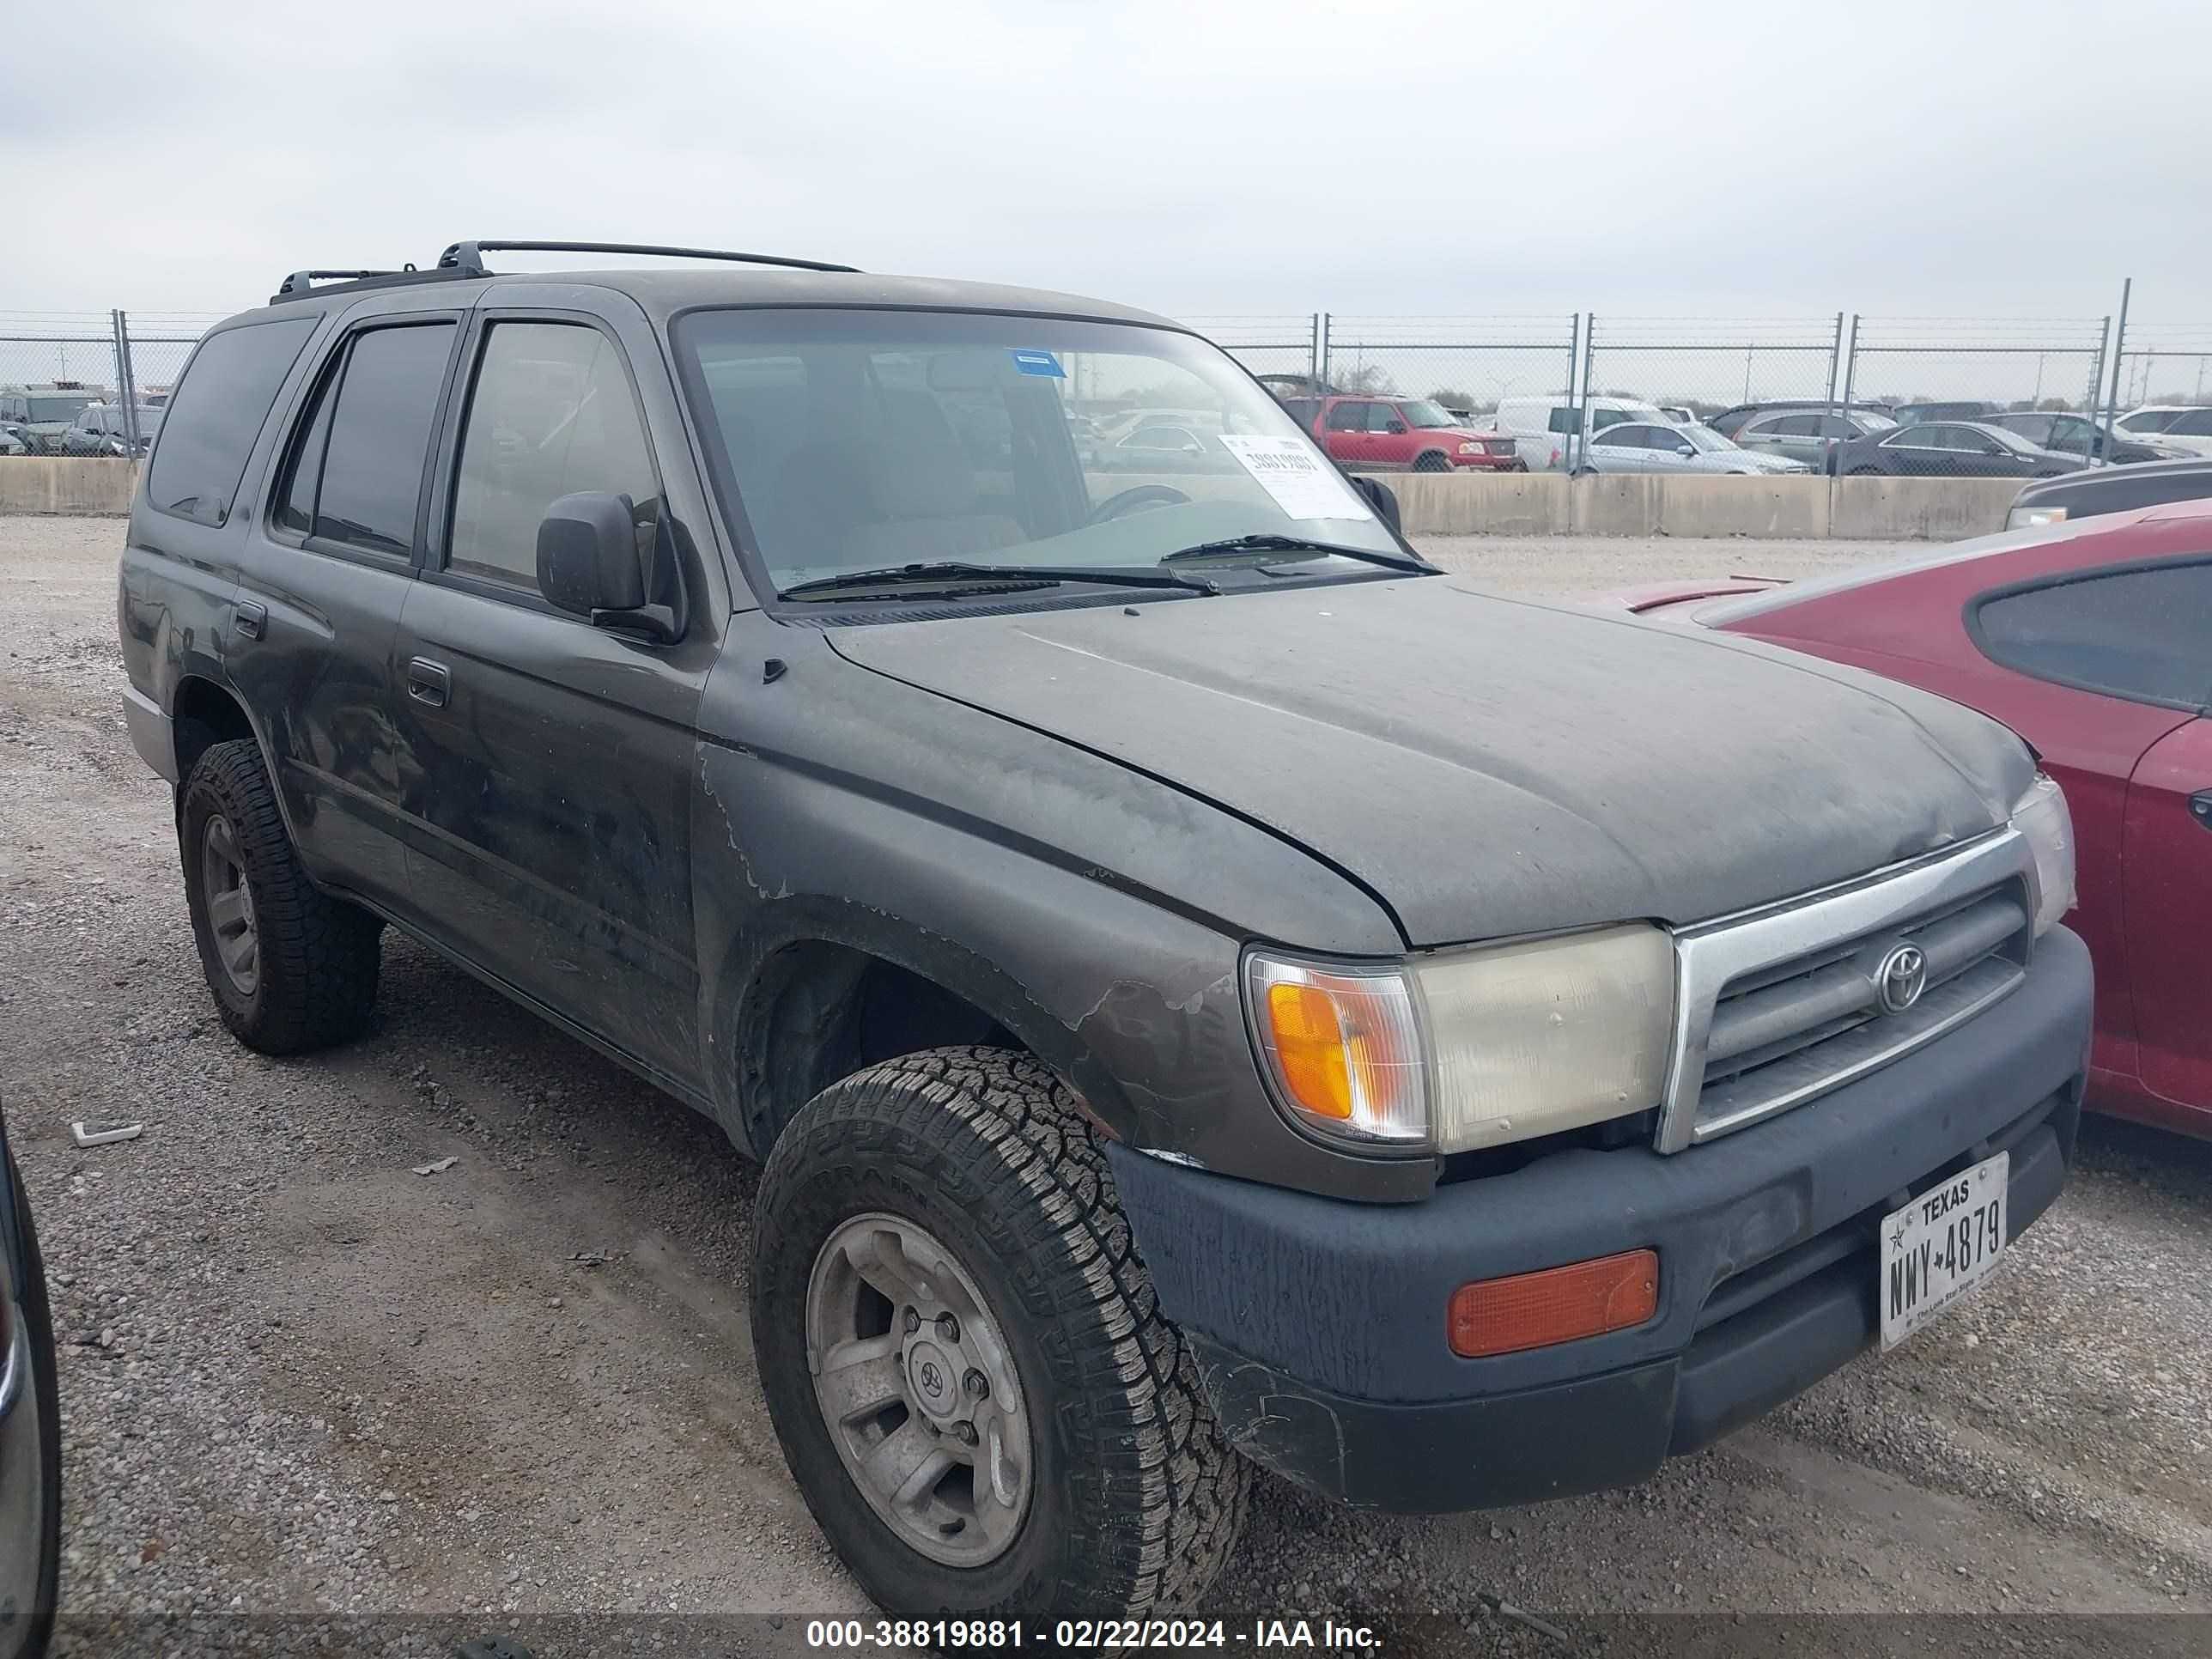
[2042, 816]
[2027, 518]
[1469, 1049]
[1471, 449]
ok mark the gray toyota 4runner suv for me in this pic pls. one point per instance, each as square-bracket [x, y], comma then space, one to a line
[1208, 988]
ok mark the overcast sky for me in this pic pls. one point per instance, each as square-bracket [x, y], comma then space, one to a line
[1696, 157]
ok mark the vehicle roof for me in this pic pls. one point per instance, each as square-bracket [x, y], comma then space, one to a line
[2105, 539]
[661, 293]
[2114, 479]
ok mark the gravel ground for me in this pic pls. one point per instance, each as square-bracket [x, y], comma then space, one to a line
[303, 1381]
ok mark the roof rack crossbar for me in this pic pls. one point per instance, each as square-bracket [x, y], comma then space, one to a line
[468, 256]
[300, 281]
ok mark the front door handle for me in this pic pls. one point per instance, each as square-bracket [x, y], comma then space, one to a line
[2200, 807]
[428, 681]
[253, 619]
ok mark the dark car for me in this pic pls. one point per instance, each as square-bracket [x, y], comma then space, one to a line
[1946, 449]
[1729, 420]
[1208, 986]
[41, 416]
[2100, 489]
[110, 429]
[2090, 643]
[1965, 409]
[2081, 437]
[30, 1428]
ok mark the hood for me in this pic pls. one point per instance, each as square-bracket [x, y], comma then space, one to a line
[1485, 766]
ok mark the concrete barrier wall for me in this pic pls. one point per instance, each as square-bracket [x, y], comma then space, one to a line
[1654, 504]
[1434, 504]
[84, 485]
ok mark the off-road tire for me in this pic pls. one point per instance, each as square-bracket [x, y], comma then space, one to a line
[1137, 1499]
[319, 955]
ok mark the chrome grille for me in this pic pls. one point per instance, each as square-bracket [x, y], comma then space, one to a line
[1782, 1004]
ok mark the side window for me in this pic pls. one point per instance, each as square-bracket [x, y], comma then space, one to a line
[2144, 634]
[1796, 426]
[551, 414]
[357, 476]
[1347, 417]
[1601, 419]
[216, 413]
[2196, 424]
[1381, 417]
[1563, 420]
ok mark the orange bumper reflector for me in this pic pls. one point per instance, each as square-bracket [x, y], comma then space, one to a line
[1559, 1304]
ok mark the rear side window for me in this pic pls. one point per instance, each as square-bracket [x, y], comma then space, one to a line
[551, 414]
[1348, 418]
[1562, 420]
[357, 474]
[1795, 426]
[2144, 634]
[216, 413]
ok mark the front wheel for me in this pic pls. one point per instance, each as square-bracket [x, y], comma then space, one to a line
[963, 1358]
[1431, 461]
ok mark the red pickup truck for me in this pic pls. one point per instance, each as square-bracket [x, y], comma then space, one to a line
[1401, 434]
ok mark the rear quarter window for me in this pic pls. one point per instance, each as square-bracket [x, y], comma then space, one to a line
[215, 414]
[2144, 633]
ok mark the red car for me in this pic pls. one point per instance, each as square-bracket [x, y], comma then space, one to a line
[1402, 435]
[2093, 642]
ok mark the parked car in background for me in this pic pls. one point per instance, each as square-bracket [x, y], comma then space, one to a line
[1947, 449]
[1965, 410]
[1407, 434]
[40, 415]
[30, 1428]
[1541, 428]
[1680, 415]
[12, 442]
[2177, 426]
[1642, 447]
[2090, 643]
[2077, 435]
[2094, 491]
[1807, 435]
[101, 429]
[1729, 420]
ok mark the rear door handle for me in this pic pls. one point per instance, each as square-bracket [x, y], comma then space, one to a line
[428, 681]
[253, 619]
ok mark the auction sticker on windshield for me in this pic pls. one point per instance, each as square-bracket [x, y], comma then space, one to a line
[1301, 483]
[1941, 1246]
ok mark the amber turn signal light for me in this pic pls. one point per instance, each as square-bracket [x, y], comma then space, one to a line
[1558, 1304]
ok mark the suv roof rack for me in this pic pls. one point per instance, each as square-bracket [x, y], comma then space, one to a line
[468, 256]
[300, 284]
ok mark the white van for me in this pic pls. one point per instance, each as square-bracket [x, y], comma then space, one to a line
[1541, 426]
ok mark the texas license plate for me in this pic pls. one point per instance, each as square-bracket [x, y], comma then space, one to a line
[1939, 1246]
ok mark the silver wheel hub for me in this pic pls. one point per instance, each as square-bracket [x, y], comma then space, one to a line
[917, 1388]
[228, 899]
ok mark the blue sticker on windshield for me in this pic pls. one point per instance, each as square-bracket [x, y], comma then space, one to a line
[1039, 362]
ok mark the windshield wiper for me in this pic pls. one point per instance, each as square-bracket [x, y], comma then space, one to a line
[1275, 543]
[948, 570]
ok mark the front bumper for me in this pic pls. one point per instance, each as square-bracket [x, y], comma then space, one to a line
[1486, 463]
[1320, 1325]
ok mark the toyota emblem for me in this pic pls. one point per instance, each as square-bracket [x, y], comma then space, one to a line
[1901, 978]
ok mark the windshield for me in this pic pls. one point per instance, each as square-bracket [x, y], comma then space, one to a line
[1707, 440]
[2008, 438]
[1871, 421]
[56, 408]
[852, 441]
[1422, 413]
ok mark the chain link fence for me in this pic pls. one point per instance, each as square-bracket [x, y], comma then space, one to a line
[61, 372]
[2007, 398]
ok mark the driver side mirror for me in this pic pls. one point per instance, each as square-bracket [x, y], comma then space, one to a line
[588, 565]
[1378, 495]
[1687, 451]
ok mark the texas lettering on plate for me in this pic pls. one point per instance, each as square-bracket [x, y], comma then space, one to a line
[1939, 1246]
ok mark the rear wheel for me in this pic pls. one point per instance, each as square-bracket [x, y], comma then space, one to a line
[963, 1358]
[291, 967]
